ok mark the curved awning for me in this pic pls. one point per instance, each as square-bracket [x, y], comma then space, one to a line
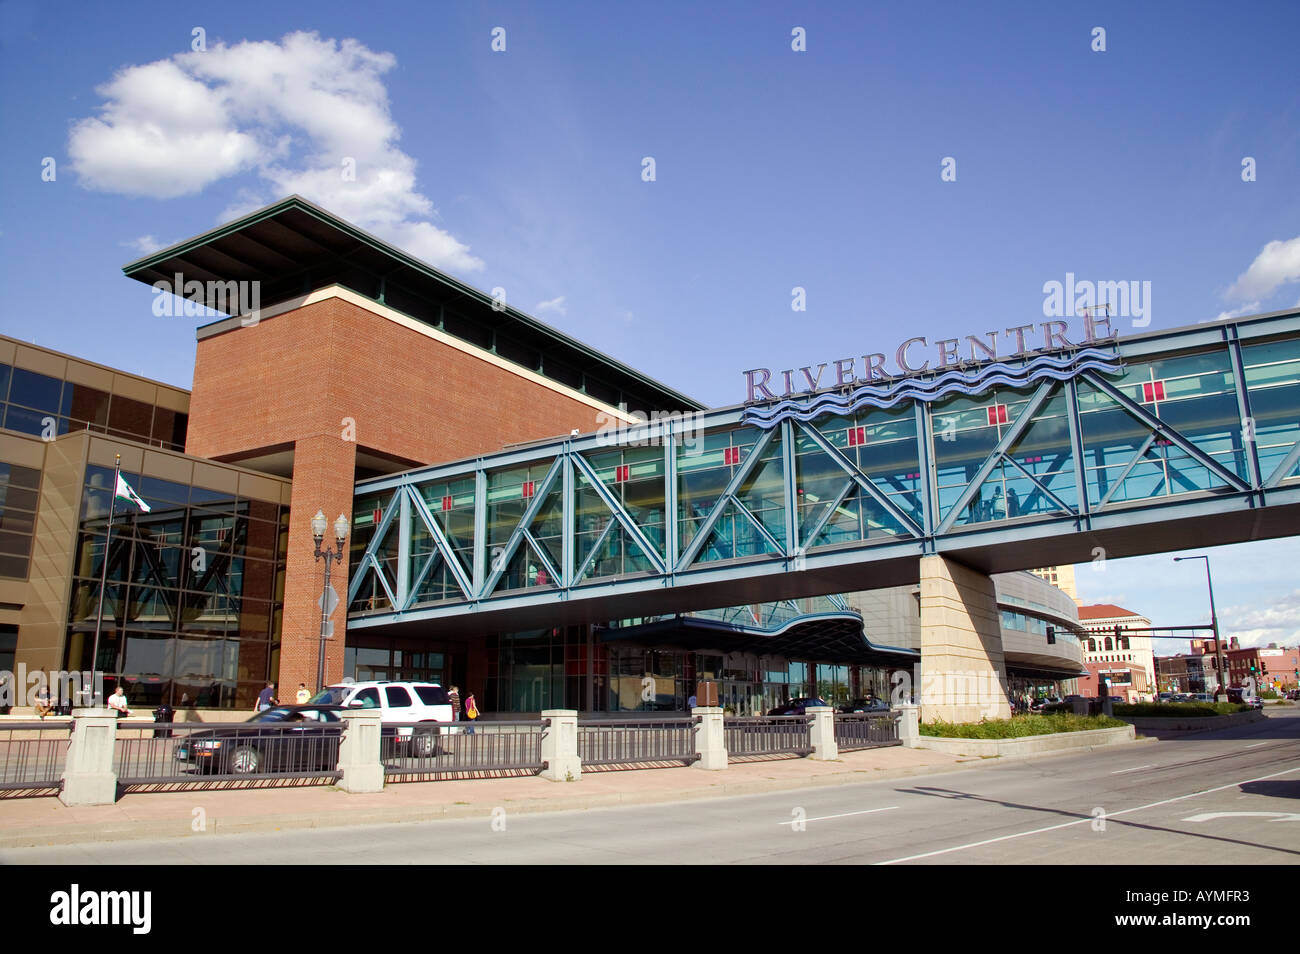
[816, 637]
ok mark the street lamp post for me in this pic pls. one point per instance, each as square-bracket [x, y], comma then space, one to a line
[329, 556]
[1214, 627]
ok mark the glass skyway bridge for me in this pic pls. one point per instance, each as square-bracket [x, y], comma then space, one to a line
[1149, 443]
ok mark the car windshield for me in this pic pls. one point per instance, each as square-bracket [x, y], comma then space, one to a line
[330, 696]
[273, 715]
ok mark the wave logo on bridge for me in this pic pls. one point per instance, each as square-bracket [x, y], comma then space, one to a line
[1059, 368]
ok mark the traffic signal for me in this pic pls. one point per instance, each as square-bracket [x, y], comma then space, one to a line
[1051, 635]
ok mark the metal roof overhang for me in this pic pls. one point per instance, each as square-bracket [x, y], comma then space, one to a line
[1041, 671]
[823, 637]
[293, 247]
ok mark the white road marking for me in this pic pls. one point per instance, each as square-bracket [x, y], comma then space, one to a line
[1276, 816]
[1134, 769]
[1253, 744]
[1084, 821]
[841, 815]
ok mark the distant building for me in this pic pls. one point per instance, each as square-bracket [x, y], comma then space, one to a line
[1187, 672]
[1126, 661]
[1273, 667]
[1062, 577]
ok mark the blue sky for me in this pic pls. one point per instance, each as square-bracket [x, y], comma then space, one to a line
[774, 169]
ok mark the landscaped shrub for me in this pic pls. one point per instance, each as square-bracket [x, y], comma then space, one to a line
[1019, 726]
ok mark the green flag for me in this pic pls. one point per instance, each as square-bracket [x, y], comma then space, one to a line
[124, 492]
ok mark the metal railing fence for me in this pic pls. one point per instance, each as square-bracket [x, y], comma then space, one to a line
[33, 754]
[767, 735]
[625, 742]
[172, 752]
[412, 749]
[865, 730]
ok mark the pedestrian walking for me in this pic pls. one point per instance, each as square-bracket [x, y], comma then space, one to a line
[471, 712]
[43, 704]
[266, 698]
[454, 698]
[303, 695]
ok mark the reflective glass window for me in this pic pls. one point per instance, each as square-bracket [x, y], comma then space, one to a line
[37, 391]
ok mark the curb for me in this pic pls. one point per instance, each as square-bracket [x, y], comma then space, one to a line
[143, 830]
[1202, 724]
[1029, 745]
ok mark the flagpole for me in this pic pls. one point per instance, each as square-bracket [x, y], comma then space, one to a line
[103, 572]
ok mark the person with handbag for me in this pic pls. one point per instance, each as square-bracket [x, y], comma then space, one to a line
[471, 712]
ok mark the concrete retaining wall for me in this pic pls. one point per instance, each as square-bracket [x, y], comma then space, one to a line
[1203, 724]
[1030, 744]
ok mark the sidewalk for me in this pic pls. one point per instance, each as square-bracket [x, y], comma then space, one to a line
[26, 822]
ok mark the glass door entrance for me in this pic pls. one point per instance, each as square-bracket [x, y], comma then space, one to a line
[742, 697]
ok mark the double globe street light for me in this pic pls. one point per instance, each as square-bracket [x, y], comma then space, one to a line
[318, 525]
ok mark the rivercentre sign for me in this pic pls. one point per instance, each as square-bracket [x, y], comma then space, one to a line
[910, 358]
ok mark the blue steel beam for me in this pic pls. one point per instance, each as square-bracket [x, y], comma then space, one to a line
[1164, 430]
[502, 560]
[442, 544]
[727, 496]
[1009, 437]
[991, 543]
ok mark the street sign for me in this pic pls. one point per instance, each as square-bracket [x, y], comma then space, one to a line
[329, 600]
[327, 631]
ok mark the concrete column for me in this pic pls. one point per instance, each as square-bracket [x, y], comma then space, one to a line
[560, 746]
[359, 759]
[909, 724]
[963, 678]
[88, 776]
[821, 728]
[710, 740]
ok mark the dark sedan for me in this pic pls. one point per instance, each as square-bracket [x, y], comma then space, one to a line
[796, 707]
[864, 705]
[281, 739]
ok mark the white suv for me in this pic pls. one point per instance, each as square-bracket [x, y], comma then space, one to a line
[400, 703]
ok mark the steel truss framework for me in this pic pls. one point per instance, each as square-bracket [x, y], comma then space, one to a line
[1206, 416]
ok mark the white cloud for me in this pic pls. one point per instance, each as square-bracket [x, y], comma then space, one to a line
[555, 305]
[1248, 309]
[145, 244]
[1260, 625]
[162, 134]
[305, 115]
[1277, 264]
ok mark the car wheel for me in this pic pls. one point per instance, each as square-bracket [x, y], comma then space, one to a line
[245, 761]
[424, 745]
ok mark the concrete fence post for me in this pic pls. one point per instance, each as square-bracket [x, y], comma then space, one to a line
[710, 740]
[909, 724]
[560, 746]
[821, 729]
[88, 776]
[359, 756]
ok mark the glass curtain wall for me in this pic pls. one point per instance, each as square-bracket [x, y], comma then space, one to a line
[194, 598]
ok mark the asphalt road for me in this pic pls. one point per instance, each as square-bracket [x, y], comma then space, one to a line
[1231, 796]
